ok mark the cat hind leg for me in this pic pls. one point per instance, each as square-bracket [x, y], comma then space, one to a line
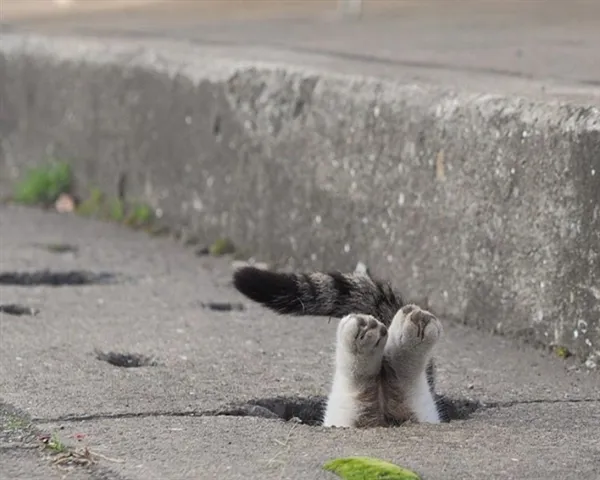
[360, 344]
[412, 335]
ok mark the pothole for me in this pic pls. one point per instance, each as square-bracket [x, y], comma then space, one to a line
[126, 360]
[456, 408]
[55, 279]
[18, 310]
[307, 410]
[223, 306]
[310, 410]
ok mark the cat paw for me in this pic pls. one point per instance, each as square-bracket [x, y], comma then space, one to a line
[362, 334]
[419, 326]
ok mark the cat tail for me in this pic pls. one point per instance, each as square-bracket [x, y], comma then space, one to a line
[320, 294]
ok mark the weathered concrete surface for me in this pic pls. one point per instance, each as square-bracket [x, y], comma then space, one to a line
[20, 450]
[487, 205]
[540, 418]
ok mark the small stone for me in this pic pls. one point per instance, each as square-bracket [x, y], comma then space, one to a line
[65, 203]
[591, 363]
[361, 269]
[237, 264]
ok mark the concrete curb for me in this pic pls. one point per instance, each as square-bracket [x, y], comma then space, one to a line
[489, 206]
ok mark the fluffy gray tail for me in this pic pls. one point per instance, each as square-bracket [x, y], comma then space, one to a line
[326, 294]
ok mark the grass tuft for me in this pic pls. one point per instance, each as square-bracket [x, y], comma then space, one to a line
[139, 215]
[136, 215]
[92, 205]
[562, 352]
[16, 423]
[116, 210]
[222, 246]
[56, 444]
[44, 184]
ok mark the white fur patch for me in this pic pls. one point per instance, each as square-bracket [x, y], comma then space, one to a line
[341, 410]
[421, 402]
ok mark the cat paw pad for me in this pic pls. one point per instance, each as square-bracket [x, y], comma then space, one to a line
[421, 326]
[364, 333]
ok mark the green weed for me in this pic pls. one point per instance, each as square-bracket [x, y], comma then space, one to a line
[222, 246]
[116, 210]
[43, 185]
[56, 445]
[16, 423]
[139, 215]
[92, 205]
[562, 352]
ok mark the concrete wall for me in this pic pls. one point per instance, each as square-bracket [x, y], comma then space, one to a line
[488, 206]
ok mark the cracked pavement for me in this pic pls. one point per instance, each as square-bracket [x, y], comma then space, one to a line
[539, 416]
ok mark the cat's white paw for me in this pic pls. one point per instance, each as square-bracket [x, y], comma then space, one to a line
[419, 327]
[362, 334]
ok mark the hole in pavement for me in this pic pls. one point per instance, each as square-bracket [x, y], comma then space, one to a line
[456, 408]
[310, 410]
[126, 360]
[217, 126]
[15, 309]
[55, 279]
[223, 306]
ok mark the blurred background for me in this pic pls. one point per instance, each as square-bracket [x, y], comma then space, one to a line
[21, 9]
[529, 47]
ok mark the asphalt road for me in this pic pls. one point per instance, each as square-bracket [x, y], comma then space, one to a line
[538, 414]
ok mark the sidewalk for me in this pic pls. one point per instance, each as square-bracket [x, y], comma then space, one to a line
[538, 417]
[543, 49]
[520, 414]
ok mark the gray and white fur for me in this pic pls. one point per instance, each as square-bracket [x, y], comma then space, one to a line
[384, 371]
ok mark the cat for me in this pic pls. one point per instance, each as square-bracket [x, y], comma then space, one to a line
[384, 369]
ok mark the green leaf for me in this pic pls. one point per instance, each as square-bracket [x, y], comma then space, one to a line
[364, 468]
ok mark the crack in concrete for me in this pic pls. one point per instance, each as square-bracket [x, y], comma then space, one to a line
[16, 424]
[231, 412]
[116, 416]
[242, 411]
[514, 403]
[18, 446]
